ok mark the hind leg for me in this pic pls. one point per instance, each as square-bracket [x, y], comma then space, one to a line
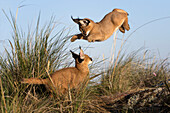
[122, 29]
[126, 25]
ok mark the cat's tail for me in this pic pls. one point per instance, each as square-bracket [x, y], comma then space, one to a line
[34, 81]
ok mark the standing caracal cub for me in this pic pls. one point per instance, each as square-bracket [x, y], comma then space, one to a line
[100, 31]
[66, 78]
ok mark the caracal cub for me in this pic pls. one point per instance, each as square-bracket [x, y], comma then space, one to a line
[100, 31]
[66, 78]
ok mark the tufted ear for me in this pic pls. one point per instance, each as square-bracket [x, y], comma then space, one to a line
[74, 55]
[82, 56]
[76, 20]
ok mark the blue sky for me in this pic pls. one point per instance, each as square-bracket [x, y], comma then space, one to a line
[155, 36]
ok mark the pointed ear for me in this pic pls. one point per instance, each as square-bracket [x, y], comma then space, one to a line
[82, 56]
[76, 20]
[74, 55]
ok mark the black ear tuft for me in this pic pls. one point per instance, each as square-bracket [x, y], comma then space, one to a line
[76, 20]
[74, 55]
[72, 17]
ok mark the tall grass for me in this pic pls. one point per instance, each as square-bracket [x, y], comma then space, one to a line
[40, 52]
[31, 54]
[134, 71]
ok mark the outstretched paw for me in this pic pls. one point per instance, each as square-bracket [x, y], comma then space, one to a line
[74, 38]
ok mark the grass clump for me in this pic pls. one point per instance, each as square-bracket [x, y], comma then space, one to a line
[31, 54]
[134, 72]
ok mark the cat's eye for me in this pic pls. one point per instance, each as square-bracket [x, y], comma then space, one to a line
[85, 21]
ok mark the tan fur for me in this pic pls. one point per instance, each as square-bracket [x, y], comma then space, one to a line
[67, 77]
[100, 31]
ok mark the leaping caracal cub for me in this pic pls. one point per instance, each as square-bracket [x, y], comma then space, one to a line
[100, 31]
[67, 77]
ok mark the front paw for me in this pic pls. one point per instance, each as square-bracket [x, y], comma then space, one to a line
[74, 38]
